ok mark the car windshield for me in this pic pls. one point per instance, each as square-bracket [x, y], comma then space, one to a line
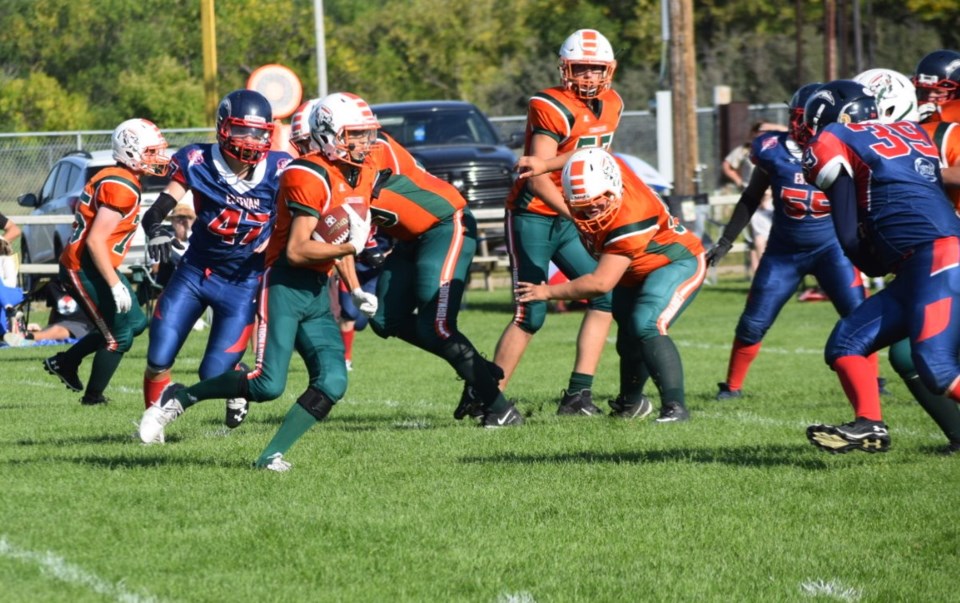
[433, 126]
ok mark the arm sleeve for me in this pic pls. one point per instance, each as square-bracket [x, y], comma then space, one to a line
[158, 211]
[747, 205]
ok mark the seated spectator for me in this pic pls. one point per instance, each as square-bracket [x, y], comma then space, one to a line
[182, 218]
[11, 296]
[67, 320]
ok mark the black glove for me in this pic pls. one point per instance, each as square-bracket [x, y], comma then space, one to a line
[372, 257]
[717, 252]
[160, 242]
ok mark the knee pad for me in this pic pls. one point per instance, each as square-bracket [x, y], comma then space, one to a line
[533, 317]
[316, 403]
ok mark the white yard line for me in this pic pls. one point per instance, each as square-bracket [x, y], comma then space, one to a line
[57, 567]
[832, 590]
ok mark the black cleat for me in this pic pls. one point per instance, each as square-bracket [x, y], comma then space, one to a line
[237, 408]
[470, 403]
[510, 416]
[578, 404]
[88, 400]
[672, 412]
[862, 434]
[625, 410]
[56, 365]
[725, 393]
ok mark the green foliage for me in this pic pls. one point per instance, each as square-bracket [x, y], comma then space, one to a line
[38, 103]
[390, 499]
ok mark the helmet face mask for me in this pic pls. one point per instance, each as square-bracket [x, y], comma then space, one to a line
[896, 96]
[937, 80]
[798, 129]
[592, 189]
[344, 127]
[839, 101]
[139, 145]
[587, 63]
[244, 126]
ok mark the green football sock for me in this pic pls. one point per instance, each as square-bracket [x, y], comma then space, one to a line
[944, 411]
[579, 382]
[105, 364]
[227, 385]
[662, 359]
[297, 422]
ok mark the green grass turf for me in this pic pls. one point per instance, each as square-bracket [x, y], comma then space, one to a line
[393, 500]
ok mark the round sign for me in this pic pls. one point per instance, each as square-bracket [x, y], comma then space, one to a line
[280, 85]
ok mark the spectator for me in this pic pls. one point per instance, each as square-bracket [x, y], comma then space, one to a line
[182, 218]
[11, 295]
[67, 320]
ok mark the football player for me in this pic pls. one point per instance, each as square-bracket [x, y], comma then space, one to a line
[424, 277]
[802, 242]
[233, 184]
[937, 80]
[651, 263]
[295, 311]
[107, 215]
[891, 216]
[583, 111]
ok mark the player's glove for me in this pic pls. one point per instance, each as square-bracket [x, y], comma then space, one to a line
[359, 229]
[366, 302]
[717, 252]
[121, 297]
[160, 243]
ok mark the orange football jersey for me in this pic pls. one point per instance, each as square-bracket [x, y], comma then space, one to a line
[643, 230]
[946, 137]
[413, 201]
[119, 189]
[561, 115]
[312, 184]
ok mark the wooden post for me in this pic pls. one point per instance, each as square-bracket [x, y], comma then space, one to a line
[683, 81]
[829, 40]
[208, 29]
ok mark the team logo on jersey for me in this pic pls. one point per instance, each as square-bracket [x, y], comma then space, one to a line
[809, 161]
[195, 157]
[282, 164]
[768, 143]
[926, 169]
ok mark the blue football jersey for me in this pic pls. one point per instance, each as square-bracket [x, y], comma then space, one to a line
[900, 200]
[235, 216]
[801, 212]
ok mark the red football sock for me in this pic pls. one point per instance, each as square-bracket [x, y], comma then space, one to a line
[152, 389]
[858, 376]
[348, 343]
[741, 357]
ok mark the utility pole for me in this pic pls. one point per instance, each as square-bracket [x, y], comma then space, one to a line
[798, 61]
[683, 79]
[829, 40]
[208, 31]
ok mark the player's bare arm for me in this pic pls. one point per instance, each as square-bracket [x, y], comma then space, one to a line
[609, 270]
[302, 250]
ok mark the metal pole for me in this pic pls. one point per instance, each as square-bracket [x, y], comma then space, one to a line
[321, 48]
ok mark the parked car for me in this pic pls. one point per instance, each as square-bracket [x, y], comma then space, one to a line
[455, 141]
[42, 243]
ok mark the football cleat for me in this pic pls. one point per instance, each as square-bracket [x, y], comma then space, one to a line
[952, 448]
[862, 434]
[625, 410]
[237, 408]
[578, 404]
[56, 365]
[160, 415]
[725, 393]
[470, 403]
[88, 400]
[509, 416]
[274, 462]
[672, 412]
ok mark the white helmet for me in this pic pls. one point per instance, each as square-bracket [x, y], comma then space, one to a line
[300, 128]
[586, 47]
[896, 95]
[344, 127]
[139, 145]
[592, 188]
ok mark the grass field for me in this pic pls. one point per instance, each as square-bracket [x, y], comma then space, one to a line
[393, 500]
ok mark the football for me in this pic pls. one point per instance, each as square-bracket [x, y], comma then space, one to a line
[333, 227]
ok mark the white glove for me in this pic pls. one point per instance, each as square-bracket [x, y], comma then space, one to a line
[359, 228]
[366, 302]
[121, 297]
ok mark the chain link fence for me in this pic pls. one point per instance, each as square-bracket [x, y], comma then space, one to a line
[25, 159]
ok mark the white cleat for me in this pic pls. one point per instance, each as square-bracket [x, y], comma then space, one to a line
[160, 415]
[276, 463]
